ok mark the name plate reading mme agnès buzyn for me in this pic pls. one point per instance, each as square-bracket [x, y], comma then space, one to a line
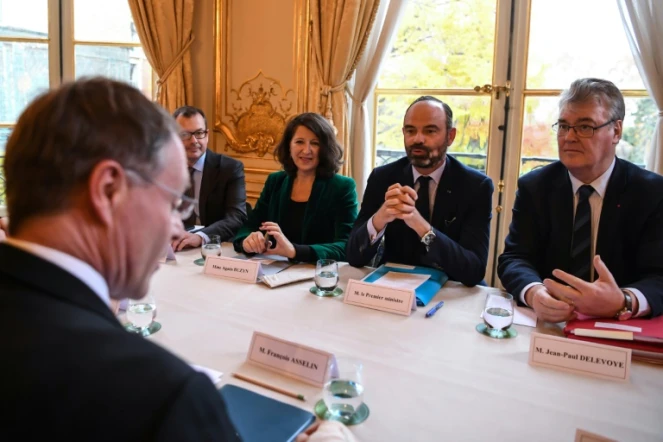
[298, 361]
[232, 268]
[380, 297]
[588, 358]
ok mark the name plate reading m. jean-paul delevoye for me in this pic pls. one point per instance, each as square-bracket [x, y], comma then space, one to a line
[232, 268]
[588, 358]
[379, 297]
[289, 358]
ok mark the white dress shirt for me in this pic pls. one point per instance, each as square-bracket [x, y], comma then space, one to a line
[435, 176]
[80, 269]
[600, 186]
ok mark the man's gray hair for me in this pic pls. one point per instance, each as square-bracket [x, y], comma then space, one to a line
[603, 92]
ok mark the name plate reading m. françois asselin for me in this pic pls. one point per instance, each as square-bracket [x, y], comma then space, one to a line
[588, 358]
[289, 358]
[380, 297]
[232, 268]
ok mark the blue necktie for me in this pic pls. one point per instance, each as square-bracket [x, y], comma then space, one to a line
[581, 244]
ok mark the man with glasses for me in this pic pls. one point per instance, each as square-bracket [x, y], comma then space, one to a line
[216, 182]
[91, 228]
[587, 231]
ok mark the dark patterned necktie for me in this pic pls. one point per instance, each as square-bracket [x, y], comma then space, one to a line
[191, 193]
[581, 244]
[423, 201]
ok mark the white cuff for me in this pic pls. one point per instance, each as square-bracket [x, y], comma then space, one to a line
[524, 290]
[203, 236]
[643, 305]
[373, 234]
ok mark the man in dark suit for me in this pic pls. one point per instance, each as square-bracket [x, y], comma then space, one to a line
[111, 171]
[587, 231]
[430, 208]
[217, 182]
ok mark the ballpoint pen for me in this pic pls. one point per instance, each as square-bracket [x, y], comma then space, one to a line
[432, 311]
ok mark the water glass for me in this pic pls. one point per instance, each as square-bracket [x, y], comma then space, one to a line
[343, 392]
[141, 314]
[212, 248]
[498, 314]
[326, 276]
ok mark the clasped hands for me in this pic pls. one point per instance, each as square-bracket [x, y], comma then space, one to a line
[399, 203]
[556, 302]
[255, 242]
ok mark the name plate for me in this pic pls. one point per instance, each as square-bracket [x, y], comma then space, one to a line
[379, 297]
[289, 358]
[232, 268]
[588, 358]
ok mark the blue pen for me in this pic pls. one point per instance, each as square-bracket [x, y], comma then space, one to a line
[432, 311]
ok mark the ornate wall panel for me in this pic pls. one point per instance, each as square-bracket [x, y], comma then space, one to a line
[260, 80]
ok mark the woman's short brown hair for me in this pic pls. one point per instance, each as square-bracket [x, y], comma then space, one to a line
[330, 154]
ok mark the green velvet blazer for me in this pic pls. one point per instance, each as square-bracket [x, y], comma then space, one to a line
[328, 219]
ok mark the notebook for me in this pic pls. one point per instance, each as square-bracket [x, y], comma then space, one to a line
[258, 418]
[424, 292]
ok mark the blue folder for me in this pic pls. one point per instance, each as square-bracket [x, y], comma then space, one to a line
[258, 418]
[426, 291]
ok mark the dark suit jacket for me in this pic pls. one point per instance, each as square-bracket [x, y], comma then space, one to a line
[630, 236]
[461, 220]
[330, 212]
[71, 372]
[222, 196]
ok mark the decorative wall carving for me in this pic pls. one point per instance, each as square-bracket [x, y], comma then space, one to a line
[259, 111]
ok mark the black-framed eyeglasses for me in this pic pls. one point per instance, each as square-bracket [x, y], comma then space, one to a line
[582, 130]
[198, 135]
[183, 205]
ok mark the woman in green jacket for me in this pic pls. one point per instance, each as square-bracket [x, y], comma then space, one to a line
[306, 211]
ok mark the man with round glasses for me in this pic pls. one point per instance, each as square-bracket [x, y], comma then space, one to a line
[586, 237]
[216, 182]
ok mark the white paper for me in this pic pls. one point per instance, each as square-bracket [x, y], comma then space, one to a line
[522, 316]
[215, 376]
[292, 274]
[398, 280]
[618, 326]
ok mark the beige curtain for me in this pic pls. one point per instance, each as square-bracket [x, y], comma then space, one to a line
[339, 31]
[165, 31]
[361, 127]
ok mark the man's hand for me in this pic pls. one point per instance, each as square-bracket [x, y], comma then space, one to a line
[283, 245]
[396, 199]
[602, 298]
[546, 307]
[187, 241]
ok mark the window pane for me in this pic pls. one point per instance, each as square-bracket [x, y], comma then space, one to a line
[433, 48]
[25, 18]
[23, 75]
[572, 39]
[107, 21]
[539, 145]
[126, 64]
[470, 118]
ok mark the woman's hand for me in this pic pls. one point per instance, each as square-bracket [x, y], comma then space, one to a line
[283, 246]
[254, 243]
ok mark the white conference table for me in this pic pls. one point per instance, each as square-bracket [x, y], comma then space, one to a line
[425, 379]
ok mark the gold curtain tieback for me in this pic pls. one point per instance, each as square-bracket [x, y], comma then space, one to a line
[173, 64]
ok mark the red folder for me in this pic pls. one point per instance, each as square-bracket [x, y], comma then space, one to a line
[647, 345]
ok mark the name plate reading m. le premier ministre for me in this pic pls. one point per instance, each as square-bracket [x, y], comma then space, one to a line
[380, 297]
[232, 268]
[588, 358]
[289, 358]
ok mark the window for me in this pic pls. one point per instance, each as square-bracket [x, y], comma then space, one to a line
[46, 42]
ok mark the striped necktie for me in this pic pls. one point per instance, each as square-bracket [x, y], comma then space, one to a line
[581, 244]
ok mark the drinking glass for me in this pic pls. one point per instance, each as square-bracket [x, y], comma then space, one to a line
[326, 278]
[212, 248]
[343, 393]
[141, 314]
[498, 315]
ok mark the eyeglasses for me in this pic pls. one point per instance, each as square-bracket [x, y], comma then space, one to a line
[582, 130]
[198, 135]
[183, 205]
